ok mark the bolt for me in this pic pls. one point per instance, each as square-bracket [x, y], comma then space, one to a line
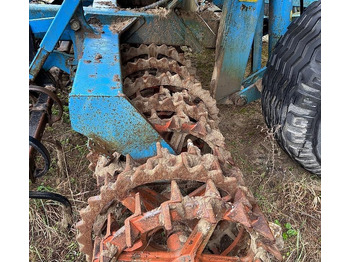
[239, 100]
[75, 25]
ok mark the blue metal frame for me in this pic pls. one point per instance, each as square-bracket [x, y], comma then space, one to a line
[239, 21]
[52, 36]
[280, 16]
[175, 29]
[98, 107]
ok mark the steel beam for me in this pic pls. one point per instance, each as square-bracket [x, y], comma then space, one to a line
[171, 28]
[280, 16]
[52, 36]
[257, 43]
[235, 37]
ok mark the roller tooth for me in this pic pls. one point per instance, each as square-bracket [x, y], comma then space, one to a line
[80, 225]
[174, 124]
[146, 74]
[127, 81]
[128, 164]
[175, 191]
[211, 190]
[169, 75]
[149, 164]
[94, 202]
[153, 114]
[162, 90]
[159, 150]
[85, 215]
[178, 98]
[168, 103]
[192, 149]
[216, 164]
[200, 129]
[107, 179]
[153, 50]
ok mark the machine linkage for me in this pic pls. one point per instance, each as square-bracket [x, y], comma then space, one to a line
[42, 98]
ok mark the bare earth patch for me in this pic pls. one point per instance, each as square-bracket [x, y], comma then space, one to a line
[287, 194]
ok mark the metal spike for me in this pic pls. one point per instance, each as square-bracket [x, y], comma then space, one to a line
[94, 201]
[200, 128]
[211, 190]
[175, 192]
[192, 149]
[128, 164]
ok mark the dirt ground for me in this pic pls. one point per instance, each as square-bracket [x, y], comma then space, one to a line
[287, 194]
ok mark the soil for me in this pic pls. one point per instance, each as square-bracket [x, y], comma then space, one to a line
[288, 195]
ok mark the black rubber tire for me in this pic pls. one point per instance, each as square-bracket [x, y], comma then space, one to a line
[291, 95]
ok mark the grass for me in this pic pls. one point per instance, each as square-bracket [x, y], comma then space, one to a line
[50, 239]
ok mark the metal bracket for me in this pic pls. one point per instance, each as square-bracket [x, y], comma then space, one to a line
[98, 107]
[252, 89]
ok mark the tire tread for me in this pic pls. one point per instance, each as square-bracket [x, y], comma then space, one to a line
[291, 95]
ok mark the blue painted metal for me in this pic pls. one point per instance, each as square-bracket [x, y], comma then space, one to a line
[235, 37]
[280, 16]
[41, 25]
[253, 77]
[257, 43]
[52, 36]
[61, 60]
[177, 29]
[98, 107]
[218, 3]
[297, 2]
[250, 92]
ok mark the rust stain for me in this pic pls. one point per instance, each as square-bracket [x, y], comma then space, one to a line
[116, 78]
[246, 8]
[98, 58]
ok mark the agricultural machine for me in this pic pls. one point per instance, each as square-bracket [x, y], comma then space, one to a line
[169, 189]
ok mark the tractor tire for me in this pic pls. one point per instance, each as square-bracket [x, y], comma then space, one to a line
[291, 95]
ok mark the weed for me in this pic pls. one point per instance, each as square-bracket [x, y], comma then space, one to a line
[290, 231]
[82, 149]
[54, 111]
[49, 129]
[43, 188]
[277, 222]
[65, 141]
